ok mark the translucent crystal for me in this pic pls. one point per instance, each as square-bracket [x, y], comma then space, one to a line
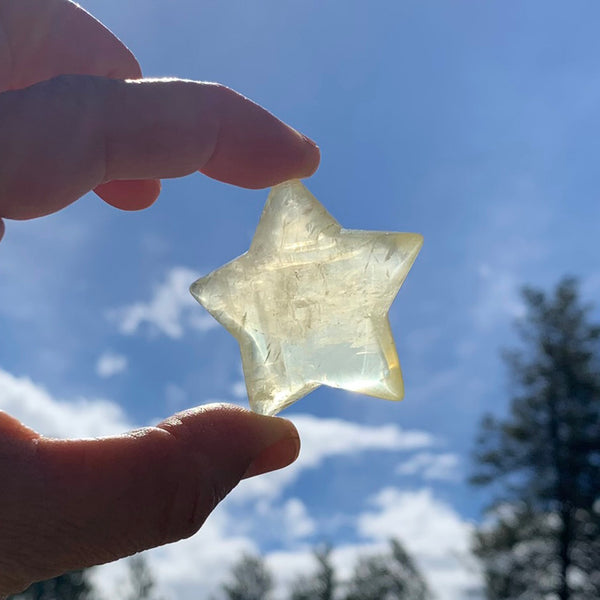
[308, 303]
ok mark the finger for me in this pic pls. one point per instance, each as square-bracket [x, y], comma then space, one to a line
[136, 194]
[108, 498]
[62, 138]
[48, 38]
[42, 35]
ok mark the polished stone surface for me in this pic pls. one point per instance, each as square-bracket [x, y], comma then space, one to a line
[308, 303]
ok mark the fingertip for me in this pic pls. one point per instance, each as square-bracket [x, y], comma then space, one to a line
[303, 158]
[313, 158]
[127, 65]
[254, 148]
[130, 195]
[263, 443]
[298, 160]
[277, 456]
[212, 423]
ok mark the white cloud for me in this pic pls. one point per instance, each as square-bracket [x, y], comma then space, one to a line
[297, 521]
[170, 310]
[330, 437]
[327, 438]
[288, 520]
[442, 466]
[110, 363]
[35, 407]
[432, 532]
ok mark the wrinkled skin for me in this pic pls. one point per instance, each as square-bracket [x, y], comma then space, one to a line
[76, 116]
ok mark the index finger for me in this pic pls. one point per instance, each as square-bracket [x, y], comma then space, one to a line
[62, 138]
[42, 36]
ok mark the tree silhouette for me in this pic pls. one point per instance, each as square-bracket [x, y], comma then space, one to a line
[542, 462]
[141, 582]
[250, 580]
[319, 586]
[392, 576]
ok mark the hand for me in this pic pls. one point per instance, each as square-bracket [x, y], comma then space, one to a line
[70, 123]
[68, 504]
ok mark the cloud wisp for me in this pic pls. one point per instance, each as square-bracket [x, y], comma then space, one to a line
[170, 310]
[111, 363]
[432, 466]
[82, 418]
[323, 439]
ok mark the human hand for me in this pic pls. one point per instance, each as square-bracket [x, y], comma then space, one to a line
[69, 504]
[70, 124]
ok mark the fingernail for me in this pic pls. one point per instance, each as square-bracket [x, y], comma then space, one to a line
[278, 455]
[312, 157]
[308, 140]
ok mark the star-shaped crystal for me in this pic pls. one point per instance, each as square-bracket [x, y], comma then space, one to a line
[308, 303]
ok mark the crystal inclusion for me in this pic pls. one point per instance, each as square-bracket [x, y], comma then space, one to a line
[308, 303]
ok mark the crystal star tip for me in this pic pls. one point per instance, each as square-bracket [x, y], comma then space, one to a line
[308, 303]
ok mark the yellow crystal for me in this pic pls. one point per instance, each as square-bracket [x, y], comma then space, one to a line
[308, 303]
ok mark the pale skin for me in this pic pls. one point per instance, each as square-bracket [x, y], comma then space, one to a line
[76, 116]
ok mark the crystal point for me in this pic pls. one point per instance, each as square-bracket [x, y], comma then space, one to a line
[308, 303]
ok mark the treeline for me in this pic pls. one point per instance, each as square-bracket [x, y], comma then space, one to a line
[392, 575]
[539, 462]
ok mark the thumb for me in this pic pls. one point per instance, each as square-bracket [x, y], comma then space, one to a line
[77, 503]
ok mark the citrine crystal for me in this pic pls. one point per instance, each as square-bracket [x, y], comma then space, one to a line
[308, 303]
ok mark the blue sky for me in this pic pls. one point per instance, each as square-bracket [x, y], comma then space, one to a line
[475, 124]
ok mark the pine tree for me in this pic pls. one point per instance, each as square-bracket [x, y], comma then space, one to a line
[321, 585]
[542, 462]
[393, 576]
[141, 581]
[250, 580]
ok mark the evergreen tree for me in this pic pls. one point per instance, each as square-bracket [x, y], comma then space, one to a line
[542, 462]
[321, 585]
[250, 580]
[70, 586]
[392, 576]
[141, 582]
